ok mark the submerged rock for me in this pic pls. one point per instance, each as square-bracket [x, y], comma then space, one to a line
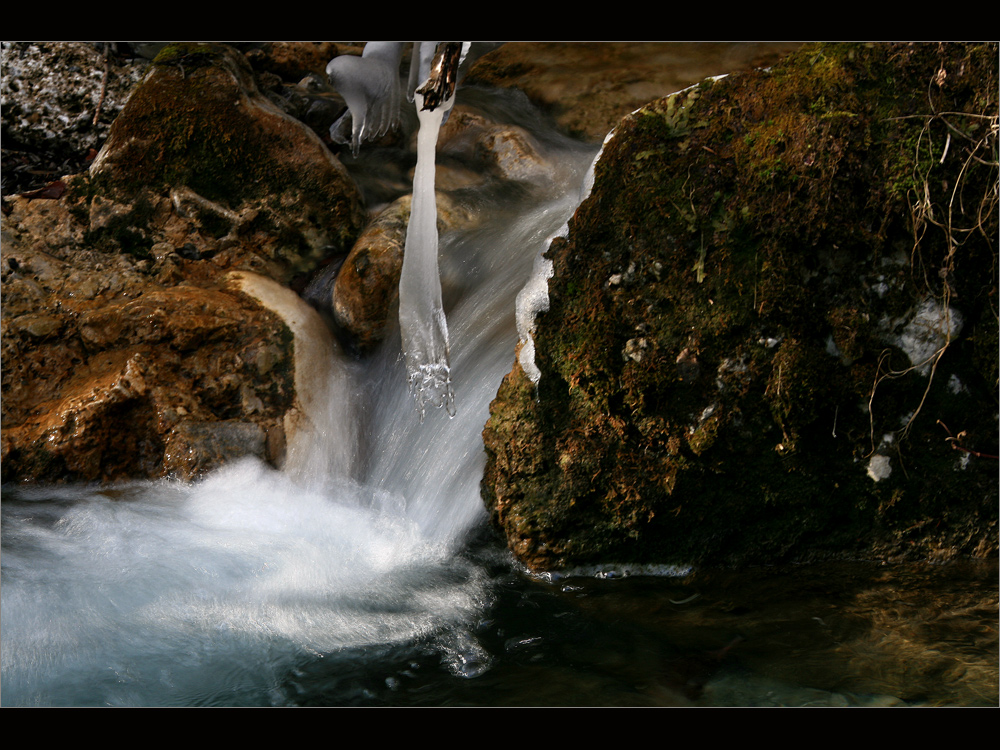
[734, 320]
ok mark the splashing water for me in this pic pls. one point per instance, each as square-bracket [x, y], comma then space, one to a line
[421, 312]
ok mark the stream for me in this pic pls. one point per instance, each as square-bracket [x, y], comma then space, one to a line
[379, 583]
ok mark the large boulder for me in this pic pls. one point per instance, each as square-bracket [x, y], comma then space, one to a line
[771, 330]
[198, 141]
[128, 349]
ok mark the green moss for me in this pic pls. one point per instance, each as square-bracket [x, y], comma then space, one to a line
[187, 124]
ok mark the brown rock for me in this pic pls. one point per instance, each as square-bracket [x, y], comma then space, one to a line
[104, 400]
[366, 288]
[124, 354]
[589, 86]
[507, 151]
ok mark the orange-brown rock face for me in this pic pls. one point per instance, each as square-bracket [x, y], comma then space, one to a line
[125, 351]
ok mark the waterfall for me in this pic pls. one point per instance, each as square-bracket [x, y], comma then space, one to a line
[222, 591]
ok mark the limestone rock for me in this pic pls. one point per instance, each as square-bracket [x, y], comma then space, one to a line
[366, 287]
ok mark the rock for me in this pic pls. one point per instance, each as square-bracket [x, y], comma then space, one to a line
[322, 406]
[589, 87]
[365, 291]
[59, 100]
[193, 448]
[125, 351]
[367, 286]
[105, 398]
[735, 321]
[508, 152]
[246, 184]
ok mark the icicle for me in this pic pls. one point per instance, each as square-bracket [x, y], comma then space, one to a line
[422, 322]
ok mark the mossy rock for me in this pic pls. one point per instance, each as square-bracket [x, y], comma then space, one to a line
[734, 319]
[198, 124]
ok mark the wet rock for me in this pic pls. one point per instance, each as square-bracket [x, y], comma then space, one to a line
[754, 228]
[122, 344]
[193, 448]
[365, 291]
[103, 399]
[506, 151]
[320, 403]
[366, 288]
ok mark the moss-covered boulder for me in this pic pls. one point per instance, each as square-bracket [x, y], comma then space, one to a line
[197, 139]
[772, 327]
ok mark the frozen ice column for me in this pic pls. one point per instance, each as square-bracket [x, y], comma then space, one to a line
[422, 323]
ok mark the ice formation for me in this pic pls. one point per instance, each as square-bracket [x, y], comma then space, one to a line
[534, 297]
[422, 323]
[370, 86]
[531, 300]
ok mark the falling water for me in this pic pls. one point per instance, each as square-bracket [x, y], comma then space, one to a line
[215, 592]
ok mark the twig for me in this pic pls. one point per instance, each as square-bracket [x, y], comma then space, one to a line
[104, 85]
[954, 440]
